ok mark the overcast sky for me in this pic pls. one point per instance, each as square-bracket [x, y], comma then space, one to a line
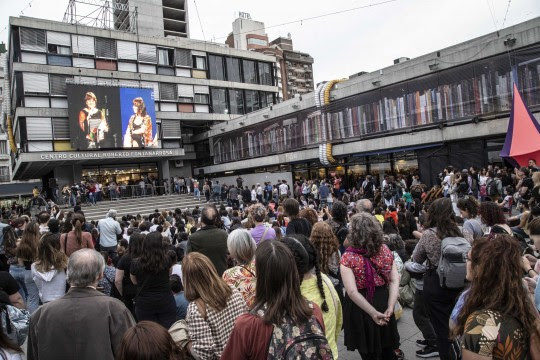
[361, 40]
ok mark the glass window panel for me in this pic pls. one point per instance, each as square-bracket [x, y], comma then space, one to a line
[250, 73]
[219, 101]
[233, 69]
[215, 66]
[236, 100]
[252, 101]
[265, 73]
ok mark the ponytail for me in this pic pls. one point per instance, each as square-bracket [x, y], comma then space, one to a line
[77, 223]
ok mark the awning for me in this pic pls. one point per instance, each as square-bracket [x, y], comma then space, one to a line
[401, 149]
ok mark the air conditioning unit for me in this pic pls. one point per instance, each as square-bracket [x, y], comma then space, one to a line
[178, 163]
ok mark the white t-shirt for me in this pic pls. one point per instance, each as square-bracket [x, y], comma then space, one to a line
[446, 182]
[177, 270]
[253, 195]
[283, 189]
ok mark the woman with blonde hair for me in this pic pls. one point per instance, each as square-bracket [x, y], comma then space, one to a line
[213, 307]
[49, 270]
[242, 277]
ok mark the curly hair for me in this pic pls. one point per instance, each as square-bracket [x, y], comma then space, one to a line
[491, 213]
[365, 232]
[310, 215]
[305, 257]
[469, 204]
[339, 211]
[326, 243]
[496, 284]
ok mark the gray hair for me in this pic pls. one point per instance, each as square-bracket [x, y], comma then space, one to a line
[365, 232]
[84, 267]
[241, 246]
[258, 212]
[364, 205]
[111, 213]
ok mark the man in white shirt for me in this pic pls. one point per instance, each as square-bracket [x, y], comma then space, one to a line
[259, 193]
[108, 229]
[447, 181]
[99, 193]
[283, 190]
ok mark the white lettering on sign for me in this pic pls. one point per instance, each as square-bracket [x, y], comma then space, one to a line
[107, 154]
[244, 15]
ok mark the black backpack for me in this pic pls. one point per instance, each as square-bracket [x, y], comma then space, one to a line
[492, 189]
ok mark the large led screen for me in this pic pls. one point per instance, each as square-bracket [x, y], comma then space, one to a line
[106, 117]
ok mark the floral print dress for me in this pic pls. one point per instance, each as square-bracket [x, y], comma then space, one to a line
[242, 278]
[490, 333]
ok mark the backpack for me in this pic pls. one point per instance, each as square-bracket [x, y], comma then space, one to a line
[491, 188]
[452, 267]
[15, 322]
[388, 194]
[298, 341]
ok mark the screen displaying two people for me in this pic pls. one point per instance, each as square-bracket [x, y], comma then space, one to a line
[103, 117]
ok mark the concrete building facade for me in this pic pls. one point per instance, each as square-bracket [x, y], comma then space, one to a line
[449, 107]
[195, 84]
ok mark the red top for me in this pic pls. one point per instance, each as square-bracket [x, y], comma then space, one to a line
[250, 337]
[391, 215]
[382, 262]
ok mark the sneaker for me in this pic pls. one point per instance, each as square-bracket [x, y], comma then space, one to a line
[428, 351]
[421, 343]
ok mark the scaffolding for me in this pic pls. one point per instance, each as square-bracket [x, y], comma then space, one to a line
[105, 14]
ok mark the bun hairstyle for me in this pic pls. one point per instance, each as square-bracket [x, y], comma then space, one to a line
[306, 258]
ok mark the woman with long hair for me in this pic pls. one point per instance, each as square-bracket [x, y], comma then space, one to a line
[150, 272]
[371, 280]
[498, 318]
[493, 217]
[440, 223]
[316, 287]
[8, 349]
[242, 277]
[278, 301]
[327, 245]
[213, 306]
[8, 258]
[26, 253]
[148, 340]
[139, 128]
[122, 279]
[49, 270]
[77, 238]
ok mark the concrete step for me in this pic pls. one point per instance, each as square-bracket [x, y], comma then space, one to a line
[142, 205]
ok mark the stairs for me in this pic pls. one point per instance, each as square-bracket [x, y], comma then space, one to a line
[141, 205]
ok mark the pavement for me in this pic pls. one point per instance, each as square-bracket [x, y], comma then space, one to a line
[408, 333]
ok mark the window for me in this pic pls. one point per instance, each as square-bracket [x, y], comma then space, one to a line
[259, 42]
[147, 53]
[199, 62]
[236, 101]
[83, 45]
[252, 100]
[219, 101]
[127, 50]
[33, 39]
[3, 147]
[265, 73]
[35, 83]
[201, 99]
[215, 66]
[185, 93]
[267, 99]
[105, 48]
[58, 49]
[183, 57]
[168, 91]
[250, 73]
[166, 57]
[58, 84]
[233, 69]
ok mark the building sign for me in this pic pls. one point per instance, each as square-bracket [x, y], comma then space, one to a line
[105, 155]
[244, 15]
[108, 117]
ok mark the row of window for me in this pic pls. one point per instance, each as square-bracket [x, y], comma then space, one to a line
[232, 101]
[54, 48]
[240, 70]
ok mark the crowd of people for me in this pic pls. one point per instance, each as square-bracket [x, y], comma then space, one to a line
[282, 272]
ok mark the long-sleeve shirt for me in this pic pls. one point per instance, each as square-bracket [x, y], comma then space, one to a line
[429, 247]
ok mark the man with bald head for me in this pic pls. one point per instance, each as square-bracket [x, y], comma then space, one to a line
[84, 323]
[209, 239]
